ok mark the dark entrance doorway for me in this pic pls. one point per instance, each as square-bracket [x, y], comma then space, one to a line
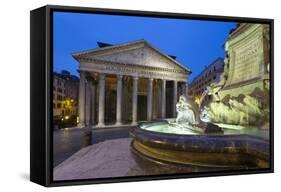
[142, 107]
[169, 99]
[110, 107]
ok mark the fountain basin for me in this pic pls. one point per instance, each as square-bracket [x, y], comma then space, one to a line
[190, 147]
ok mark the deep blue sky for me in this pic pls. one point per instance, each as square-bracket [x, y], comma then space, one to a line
[195, 43]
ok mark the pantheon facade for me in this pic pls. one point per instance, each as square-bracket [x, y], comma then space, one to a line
[126, 83]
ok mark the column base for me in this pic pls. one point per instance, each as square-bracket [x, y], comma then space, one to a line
[81, 125]
[134, 123]
[100, 125]
[118, 124]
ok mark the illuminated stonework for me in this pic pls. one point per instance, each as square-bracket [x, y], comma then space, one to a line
[243, 94]
[128, 82]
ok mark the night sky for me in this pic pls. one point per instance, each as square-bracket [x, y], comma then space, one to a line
[195, 43]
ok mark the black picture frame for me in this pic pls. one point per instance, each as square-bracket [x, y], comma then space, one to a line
[41, 65]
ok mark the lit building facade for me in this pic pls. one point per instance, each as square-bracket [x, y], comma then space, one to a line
[127, 83]
[58, 95]
[65, 94]
[242, 97]
[211, 74]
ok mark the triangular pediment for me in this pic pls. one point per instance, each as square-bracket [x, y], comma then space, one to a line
[138, 53]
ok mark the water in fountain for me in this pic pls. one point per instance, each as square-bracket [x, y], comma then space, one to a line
[190, 121]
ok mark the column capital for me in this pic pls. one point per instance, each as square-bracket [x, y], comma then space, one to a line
[135, 77]
[82, 75]
[150, 79]
[101, 76]
[119, 77]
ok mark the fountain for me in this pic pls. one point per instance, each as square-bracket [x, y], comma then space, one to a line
[188, 140]
[187, 122]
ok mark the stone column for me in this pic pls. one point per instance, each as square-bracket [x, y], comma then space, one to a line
[186, 89]
[149, 99]
[93, 103]
[101, 100]
[163, 98]
[119, 100]
[81, 101]
[88, 103]
[135, 101]
[175, 98]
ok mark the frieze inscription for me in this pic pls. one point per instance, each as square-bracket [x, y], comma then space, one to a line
[133, 71]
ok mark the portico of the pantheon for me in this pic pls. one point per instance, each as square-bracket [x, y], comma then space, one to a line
[126, 83]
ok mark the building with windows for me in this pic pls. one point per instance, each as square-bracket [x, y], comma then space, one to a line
[58, 95]
[211, 74]
[65, 94]
[71, 84]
